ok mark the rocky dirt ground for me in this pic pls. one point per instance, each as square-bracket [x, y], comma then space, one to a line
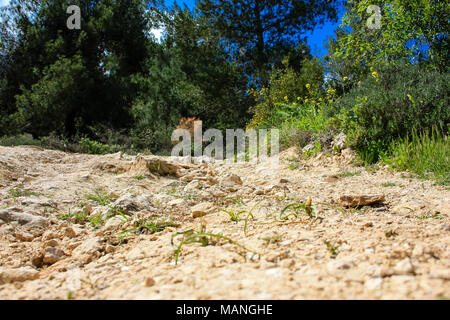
[76, 226]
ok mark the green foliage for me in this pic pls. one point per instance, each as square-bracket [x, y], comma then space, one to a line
[430, 215]
[21, 192]
[68, 80]
[188, 75]
[19, 140]
[406, 27]
[265, 29]
[146, 226]
[426, 154]
[89, 146]
[205, 239]
[285, 86]
[294, 209]
[100, 196]
[234, 215]
[392, 103]
[332, 248]
[349, 174]
[389, 184]
[47, 106]
[297, 104]
[79, 216]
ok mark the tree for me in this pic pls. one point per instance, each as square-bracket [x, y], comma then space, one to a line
[110, 47]
[261, 32]
[188, 75]
[410, 31]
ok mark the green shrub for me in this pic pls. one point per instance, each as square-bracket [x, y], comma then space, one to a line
[286, 87]
[425, 154]
[19, 140]
[89, 146]
[392, 103]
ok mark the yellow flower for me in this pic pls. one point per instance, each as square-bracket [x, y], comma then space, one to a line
[306, 100]
[345, 78]
[286, 98]
[298, 98]
[308, 86]
[375, 74]
[372, 69]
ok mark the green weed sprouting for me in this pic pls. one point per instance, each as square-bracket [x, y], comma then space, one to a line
[19, 191]
[96, 220]
[273, 239]
[426, 154]
[349, 174]
[101, 197]
[429, 215]
[146, 226]
[389, 184]
[205, 239]
[77, 216]
[294, 209]
[391, 234]
[332, 248]
[234, 216]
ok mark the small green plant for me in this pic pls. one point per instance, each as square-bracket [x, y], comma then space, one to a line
[173, 191]
[234, 216]
[294, 209]
[19, 191]
[294, 165]
[332, 248]
[139, 177]
[146, 226]
[389, 184]
[273, 239]
[429, 215]
[80, 217]
[96, 220]
[316, 147]
[205, 239]
[391, 234]
[116, 211]
[100, 196]
[349, 174]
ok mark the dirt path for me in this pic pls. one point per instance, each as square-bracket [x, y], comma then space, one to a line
[63, 216]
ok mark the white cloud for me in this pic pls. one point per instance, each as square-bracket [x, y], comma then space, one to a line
[4, 2]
